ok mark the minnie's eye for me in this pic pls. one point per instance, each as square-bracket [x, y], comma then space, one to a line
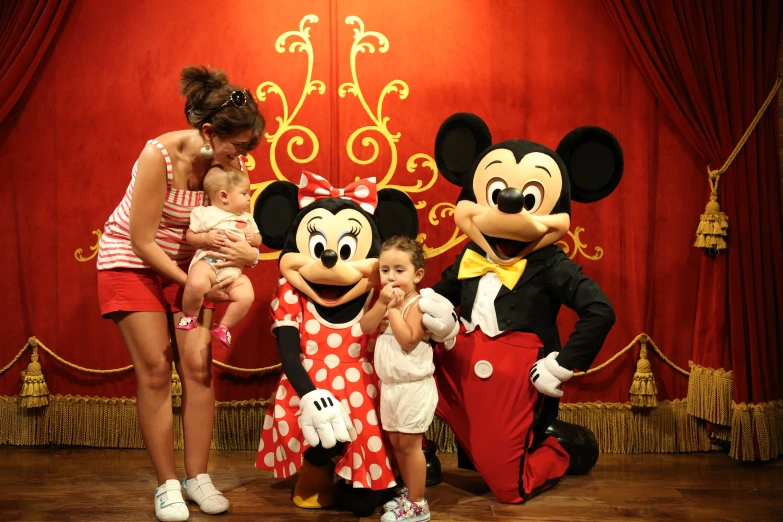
[533, 193]
[494, 188]
[347, 247]
[317, 245]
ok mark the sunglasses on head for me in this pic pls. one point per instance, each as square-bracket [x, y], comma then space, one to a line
[238, 98]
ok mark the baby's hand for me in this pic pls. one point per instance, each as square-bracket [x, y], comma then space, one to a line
[397, 298]
[249, 234]
[387, 292]
[214, 239]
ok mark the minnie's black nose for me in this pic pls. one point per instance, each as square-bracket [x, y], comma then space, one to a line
[511, 201]
[329, 258]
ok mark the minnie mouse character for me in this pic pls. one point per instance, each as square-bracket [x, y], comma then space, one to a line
[326, 403]
[499, 388]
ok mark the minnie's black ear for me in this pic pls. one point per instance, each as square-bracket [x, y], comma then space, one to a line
[275, 211]
[396, 215]
[460, 140]
[594, 160]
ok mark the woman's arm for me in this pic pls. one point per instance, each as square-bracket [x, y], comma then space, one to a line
[408, 331]
[149, 193]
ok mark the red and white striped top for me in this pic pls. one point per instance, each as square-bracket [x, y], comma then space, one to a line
[114, 250]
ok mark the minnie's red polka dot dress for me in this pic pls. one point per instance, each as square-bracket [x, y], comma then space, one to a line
[337, 359]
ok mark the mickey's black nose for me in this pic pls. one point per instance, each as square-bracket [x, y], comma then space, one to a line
[511, 201]
[329, 258]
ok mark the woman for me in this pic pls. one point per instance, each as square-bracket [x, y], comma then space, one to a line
[142, 264]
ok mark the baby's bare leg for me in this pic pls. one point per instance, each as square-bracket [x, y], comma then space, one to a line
[201, 277]
[241, 294]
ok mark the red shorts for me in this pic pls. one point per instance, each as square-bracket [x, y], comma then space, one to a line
[139, 290]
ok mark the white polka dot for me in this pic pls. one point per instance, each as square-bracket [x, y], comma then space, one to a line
[312, 326]
[356, 330]
[364, 456]
[372, 418]
[287, 317]
[367, 207]
[374, 444]
[268, 421]
[338, 383]
[281, 281]
[321, 375]
[311, 347]
[331, 360]
[269, 459]
[307, 200]
[283, 427]
[318, 176]
[280, 393]
[299, 317]
[357, 484]
[294, 445]
[388, 464]
[294, 402]
[352, 374]
[367, 478]
[292, 468]
[279, 412]
[320, 191]
[367, 367]
[260, 445]
[391, 484]
[362, 191]
[310, 307]
[356, 399]
[345, 471]
[279, 453]
[274, 473]
[372, 391]
[303, 181]
[274, 435]
[355, 350]
[307, 364]
[275, 303]
[358, 425]
[290, 297]
[334, 340]
[357, 460]
[344, 402]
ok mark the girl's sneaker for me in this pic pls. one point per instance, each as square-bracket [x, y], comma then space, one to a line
[222, 334]
[396, 502]
[201, 491]
[409, 511]
[169, 504]
[187, 322]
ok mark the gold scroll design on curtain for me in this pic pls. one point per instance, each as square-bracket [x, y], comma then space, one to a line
[94, 248]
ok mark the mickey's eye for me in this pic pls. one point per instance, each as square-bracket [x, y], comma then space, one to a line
[533, 193]
[317, 245]
[495, 186]
[347, 247]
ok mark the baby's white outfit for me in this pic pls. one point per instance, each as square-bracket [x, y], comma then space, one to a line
[408, 392]
[205, 219]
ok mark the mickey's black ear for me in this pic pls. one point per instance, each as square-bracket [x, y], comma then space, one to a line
[460, 140]
[594, 160]
[396, 215]
[275, 211]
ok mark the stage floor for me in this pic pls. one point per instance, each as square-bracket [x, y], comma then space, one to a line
[95, 485]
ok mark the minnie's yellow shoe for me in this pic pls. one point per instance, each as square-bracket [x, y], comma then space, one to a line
[314, 487]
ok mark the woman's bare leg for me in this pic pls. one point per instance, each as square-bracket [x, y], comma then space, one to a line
[146, 335]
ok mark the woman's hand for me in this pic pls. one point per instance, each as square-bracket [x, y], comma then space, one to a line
[218, 291]
[214, 239]
[235, 252]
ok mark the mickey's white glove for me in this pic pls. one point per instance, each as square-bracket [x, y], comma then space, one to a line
[440, 319]
[547, 376]
[325, 420]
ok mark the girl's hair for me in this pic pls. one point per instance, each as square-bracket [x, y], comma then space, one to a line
[408, 245]
[206, 90]
[219, 177]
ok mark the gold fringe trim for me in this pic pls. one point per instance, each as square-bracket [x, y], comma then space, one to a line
[440, 433]
[710, 394]
[757, 431]
[643, 389]
[35, 392]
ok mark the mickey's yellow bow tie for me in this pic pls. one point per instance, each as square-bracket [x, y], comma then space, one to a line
[474, 264]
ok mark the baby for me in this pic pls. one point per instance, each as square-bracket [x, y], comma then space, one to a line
[229, 192]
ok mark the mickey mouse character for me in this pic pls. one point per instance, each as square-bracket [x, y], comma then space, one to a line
[326, 401]
[499, 388]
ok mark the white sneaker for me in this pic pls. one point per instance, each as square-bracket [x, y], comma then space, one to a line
[169, 504]
[201, 491]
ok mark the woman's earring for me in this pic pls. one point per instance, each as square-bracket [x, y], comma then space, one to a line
[206, 150]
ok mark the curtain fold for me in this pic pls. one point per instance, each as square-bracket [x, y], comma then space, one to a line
[25, 35]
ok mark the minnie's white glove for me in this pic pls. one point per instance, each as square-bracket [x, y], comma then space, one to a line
[547, 376]
[325, 420]
[440, 319]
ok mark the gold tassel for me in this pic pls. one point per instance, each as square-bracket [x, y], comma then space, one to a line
[176, 388]
[34, 392]
[643, 388]
[713, 224]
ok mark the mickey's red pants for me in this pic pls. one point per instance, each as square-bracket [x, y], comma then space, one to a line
[493, 418]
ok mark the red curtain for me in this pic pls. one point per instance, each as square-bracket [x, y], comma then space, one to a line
[27, 30]
[711, 64]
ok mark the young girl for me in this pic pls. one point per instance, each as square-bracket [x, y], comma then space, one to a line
[403, 361]
[229, 191]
